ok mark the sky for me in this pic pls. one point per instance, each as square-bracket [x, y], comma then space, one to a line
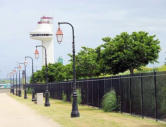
[92, 20]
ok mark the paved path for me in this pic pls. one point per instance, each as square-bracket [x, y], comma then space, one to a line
[15, 114]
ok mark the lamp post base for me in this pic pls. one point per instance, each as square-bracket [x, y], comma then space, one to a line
[47, 103]
[25, 94]
[33, 95]
[75, 112]
[19, 93]
[13, 91]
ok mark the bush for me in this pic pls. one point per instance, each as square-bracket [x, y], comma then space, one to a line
[109, 102]
[64, 97]
[79, 99]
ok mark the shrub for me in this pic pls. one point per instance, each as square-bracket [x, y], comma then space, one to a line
[64, 97]
[79, 99]
[109, 102]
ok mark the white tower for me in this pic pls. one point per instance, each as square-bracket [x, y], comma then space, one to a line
[44, 33]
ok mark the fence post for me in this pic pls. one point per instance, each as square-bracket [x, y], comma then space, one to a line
[98, 91]
[71, 89]
[121, 96]
[155, 92]
[142, 103]
[104, 85]
[111, 82]
[87, 92]
[130, 93]
[92, 92]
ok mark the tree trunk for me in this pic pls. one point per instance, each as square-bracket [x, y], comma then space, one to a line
[131, 71]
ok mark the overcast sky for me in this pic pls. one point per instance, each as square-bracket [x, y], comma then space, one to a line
[92, 19]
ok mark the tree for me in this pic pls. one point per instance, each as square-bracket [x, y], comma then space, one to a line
[128, 51]
[56, 72]
[37, 77]
[86, 65]
[68, 71]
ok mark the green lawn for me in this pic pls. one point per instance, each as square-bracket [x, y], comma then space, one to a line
[89, 116]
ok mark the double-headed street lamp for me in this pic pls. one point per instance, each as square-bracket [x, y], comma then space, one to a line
[47, 103]
[33, 91]
[59, 34]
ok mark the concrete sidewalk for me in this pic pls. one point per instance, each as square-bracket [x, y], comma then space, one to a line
[15, 114]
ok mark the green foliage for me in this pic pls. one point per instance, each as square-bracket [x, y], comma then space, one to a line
[79, 99]
[86, 65]
[128, 51]
[56, 72]
[117, 55]
[38, 77]
[162, 68]
[64, 97]
[109, 102]
[68, 71]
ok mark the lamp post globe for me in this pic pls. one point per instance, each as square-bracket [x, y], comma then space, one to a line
[36, 54]
[59, 35]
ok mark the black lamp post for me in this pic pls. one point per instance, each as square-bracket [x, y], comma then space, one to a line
[25, 91]
[19, 91]
[59, 34]
[13, 82]
[47, 103]
[33, 91]
[16, 80]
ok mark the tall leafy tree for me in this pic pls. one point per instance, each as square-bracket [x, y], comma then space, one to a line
[38, 77]
[56, 72]
[129, 51]
[68, 68]
[86, 65]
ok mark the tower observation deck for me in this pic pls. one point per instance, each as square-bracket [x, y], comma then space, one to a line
[44, 33]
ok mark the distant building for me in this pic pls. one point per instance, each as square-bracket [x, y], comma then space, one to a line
[60, 60]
